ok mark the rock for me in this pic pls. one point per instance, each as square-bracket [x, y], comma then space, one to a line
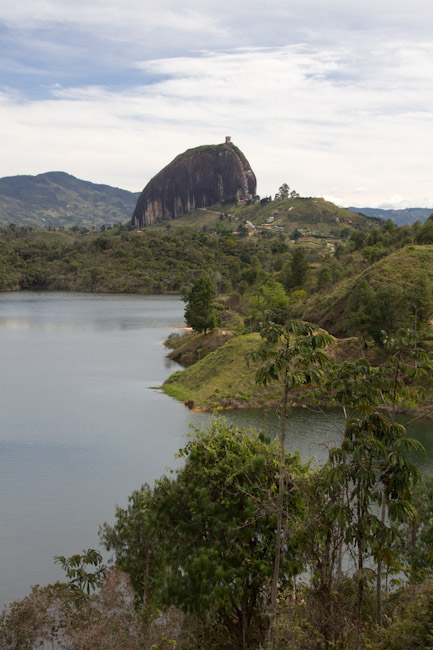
[197, 178]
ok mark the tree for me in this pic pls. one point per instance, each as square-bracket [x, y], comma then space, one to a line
[215, 524]
[323, 548]
[373, 313]
[324, 277]
[297, 274]
[420, 300]
[132, 540]
[76, 569]
[406, 374]
[269, 303]
[357, 239]
[388, 313]
[291, 354]
[425, 232]
[417, 535]
[361, 305]
[372, 469]
[242, 230]
[283, 192]
[360, 388]
[200, 311]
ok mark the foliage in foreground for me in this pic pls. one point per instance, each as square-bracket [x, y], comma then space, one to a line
[213, 526]
[60, 615]
[198, 551]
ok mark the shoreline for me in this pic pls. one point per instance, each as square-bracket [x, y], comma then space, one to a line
[220, 380]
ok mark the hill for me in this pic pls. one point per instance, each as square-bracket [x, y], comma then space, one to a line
[167, 257]
[119, 260]
[313, 219]
[400, 217]
[399, 271]
[57, 199]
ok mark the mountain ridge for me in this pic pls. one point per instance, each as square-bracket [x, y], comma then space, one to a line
[59, 199]
[400, 217]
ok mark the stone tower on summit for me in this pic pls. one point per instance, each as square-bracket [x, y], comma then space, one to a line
[197, 178]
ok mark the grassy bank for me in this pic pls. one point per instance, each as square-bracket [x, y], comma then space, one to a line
[222, 379]
[218, 376]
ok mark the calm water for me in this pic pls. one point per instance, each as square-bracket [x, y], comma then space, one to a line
[81, 425]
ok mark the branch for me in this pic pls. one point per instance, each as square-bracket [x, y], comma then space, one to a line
[385, 404]
[419, 417]
[319, 409]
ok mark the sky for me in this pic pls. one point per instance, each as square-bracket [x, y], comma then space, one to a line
[334, 98]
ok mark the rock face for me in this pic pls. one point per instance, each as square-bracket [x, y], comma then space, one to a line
[198, 178]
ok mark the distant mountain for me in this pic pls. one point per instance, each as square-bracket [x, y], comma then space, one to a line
[400, 217]
[58, 199]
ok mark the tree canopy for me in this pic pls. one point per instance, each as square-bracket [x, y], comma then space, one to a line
[200, 310]
[213, 529]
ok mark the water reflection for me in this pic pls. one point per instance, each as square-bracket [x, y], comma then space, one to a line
[57, 311]
[308, 432]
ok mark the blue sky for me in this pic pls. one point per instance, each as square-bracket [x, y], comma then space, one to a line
[335, 98]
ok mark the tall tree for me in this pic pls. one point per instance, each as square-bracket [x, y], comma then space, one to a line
[420, 301]
[283, 192]
[200, 311]
[210, 528]
[373, 313]
[425, 232]
[362, 389]
[417, 535]
[372, 469]
[361, 306]
[296, 275]
[291, 354]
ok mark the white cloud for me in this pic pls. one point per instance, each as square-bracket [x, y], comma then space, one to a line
[329, 119]
[399, 202]
[194, 24]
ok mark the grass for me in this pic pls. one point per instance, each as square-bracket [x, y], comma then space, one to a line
[312, 214]
[193, 346]
[223, 379]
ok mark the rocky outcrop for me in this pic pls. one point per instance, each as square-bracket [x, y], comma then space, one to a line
[198, 178]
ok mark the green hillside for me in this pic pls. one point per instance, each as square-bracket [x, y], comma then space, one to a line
[59, 200]
[400, 270]
[222, 379]
[314, 216]
[118, 260]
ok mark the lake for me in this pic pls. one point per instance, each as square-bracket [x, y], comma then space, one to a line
[82, 426]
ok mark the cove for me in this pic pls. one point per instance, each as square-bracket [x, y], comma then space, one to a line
[81, 425]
